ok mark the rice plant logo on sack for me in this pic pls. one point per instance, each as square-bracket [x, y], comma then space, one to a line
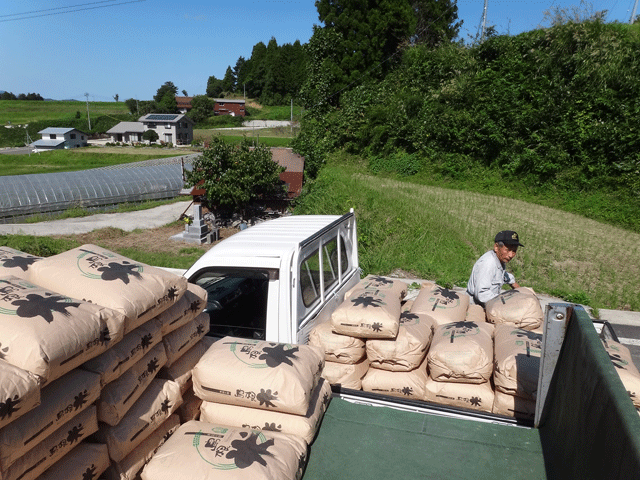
[506, 296]
[443, 298]
[9, 406]
[238, 451]
[23, 261]
[376, 283]
[74, 435]
[368, 299]
[408, 318]
[460, 330]
[533, 340]
[271, 356]
[109, 266]
[30, 305]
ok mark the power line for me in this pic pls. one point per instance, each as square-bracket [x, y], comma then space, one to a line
[66, 11]
[51, 9]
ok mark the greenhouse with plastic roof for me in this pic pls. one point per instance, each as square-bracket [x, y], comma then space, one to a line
[46, 193]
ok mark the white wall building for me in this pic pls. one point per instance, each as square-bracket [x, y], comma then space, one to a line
[58, 138]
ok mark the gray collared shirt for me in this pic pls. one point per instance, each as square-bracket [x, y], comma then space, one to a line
[487, 278]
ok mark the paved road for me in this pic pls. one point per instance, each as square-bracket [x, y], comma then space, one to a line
[16, 151]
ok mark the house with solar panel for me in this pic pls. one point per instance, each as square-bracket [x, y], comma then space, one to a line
[170, 127]
[54, 138]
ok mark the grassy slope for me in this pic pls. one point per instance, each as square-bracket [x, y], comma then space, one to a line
[438, 234]
[25, 111]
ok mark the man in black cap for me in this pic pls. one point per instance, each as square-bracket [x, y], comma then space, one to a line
[489, 274]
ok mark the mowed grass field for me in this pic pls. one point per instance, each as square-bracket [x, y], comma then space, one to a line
[24, 111]
[438, 234]
[80, 159]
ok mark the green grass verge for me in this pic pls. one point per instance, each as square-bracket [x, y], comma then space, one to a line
[69, 160]
[438, 233]
[235, 137]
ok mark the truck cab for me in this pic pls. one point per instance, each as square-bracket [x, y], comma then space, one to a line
[276, 280]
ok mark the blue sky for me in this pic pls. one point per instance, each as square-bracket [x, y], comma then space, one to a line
[131, 47]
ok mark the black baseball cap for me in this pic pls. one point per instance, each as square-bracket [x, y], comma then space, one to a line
[508, 237]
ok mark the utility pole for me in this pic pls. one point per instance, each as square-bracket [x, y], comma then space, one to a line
[633, 13]
[291, 115]
[484, 20]
[88, 118]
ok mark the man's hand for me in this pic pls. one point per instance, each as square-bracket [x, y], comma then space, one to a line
[515, 285]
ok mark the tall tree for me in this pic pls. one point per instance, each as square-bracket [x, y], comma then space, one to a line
[214, 87]
[166, 88]
[240, 71]
[435, 21]
[229, 81]
[368, 34]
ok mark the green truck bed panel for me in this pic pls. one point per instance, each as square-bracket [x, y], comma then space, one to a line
[361, 441]
[589, 430]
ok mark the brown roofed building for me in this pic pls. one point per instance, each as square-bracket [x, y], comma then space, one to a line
[294, 165]
[184, 104]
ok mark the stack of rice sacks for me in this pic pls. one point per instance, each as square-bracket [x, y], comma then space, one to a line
[262, 403]
[517, 316]
[460, 358]
[627, 371]
[80, 363]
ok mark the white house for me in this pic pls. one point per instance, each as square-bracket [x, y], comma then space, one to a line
[170, 127]
[127, 132]
[59, 138]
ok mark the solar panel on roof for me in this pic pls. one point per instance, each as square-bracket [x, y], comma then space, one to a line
[162, 118]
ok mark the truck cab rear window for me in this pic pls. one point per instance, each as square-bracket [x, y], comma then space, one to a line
[236, 303]
[331, 266]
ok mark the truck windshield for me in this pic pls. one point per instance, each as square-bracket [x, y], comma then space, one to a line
[236, 303]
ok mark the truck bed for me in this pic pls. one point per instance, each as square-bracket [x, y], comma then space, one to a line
[360, 441]
[589, 430]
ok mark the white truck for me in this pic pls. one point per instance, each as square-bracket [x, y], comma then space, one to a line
[275, 281]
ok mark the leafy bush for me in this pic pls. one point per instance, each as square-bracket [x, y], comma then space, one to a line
[235, 176]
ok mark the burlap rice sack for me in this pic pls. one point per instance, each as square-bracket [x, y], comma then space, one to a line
[517, 361]
[178, 342]
[476, 396]
[462, 352]
[346, 375]
[153, 407]
[129, 467]
[16, 263]
[87, 461]
[442, 304]
[190, 408]
[475, 313]
[409, 385]
[188, 307]
[19, 392]
[370, 312]
[180, 371]
[381, 284]
[61, 401]
[124, 354]
[119, 396]
[513, 406]
[254, 373]
[519, 307]
[622, 360]
[49, 334]
[136, 290]
[406, 352]
[206, 451]
[54, 447]
[337, 348]
[304, 426]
